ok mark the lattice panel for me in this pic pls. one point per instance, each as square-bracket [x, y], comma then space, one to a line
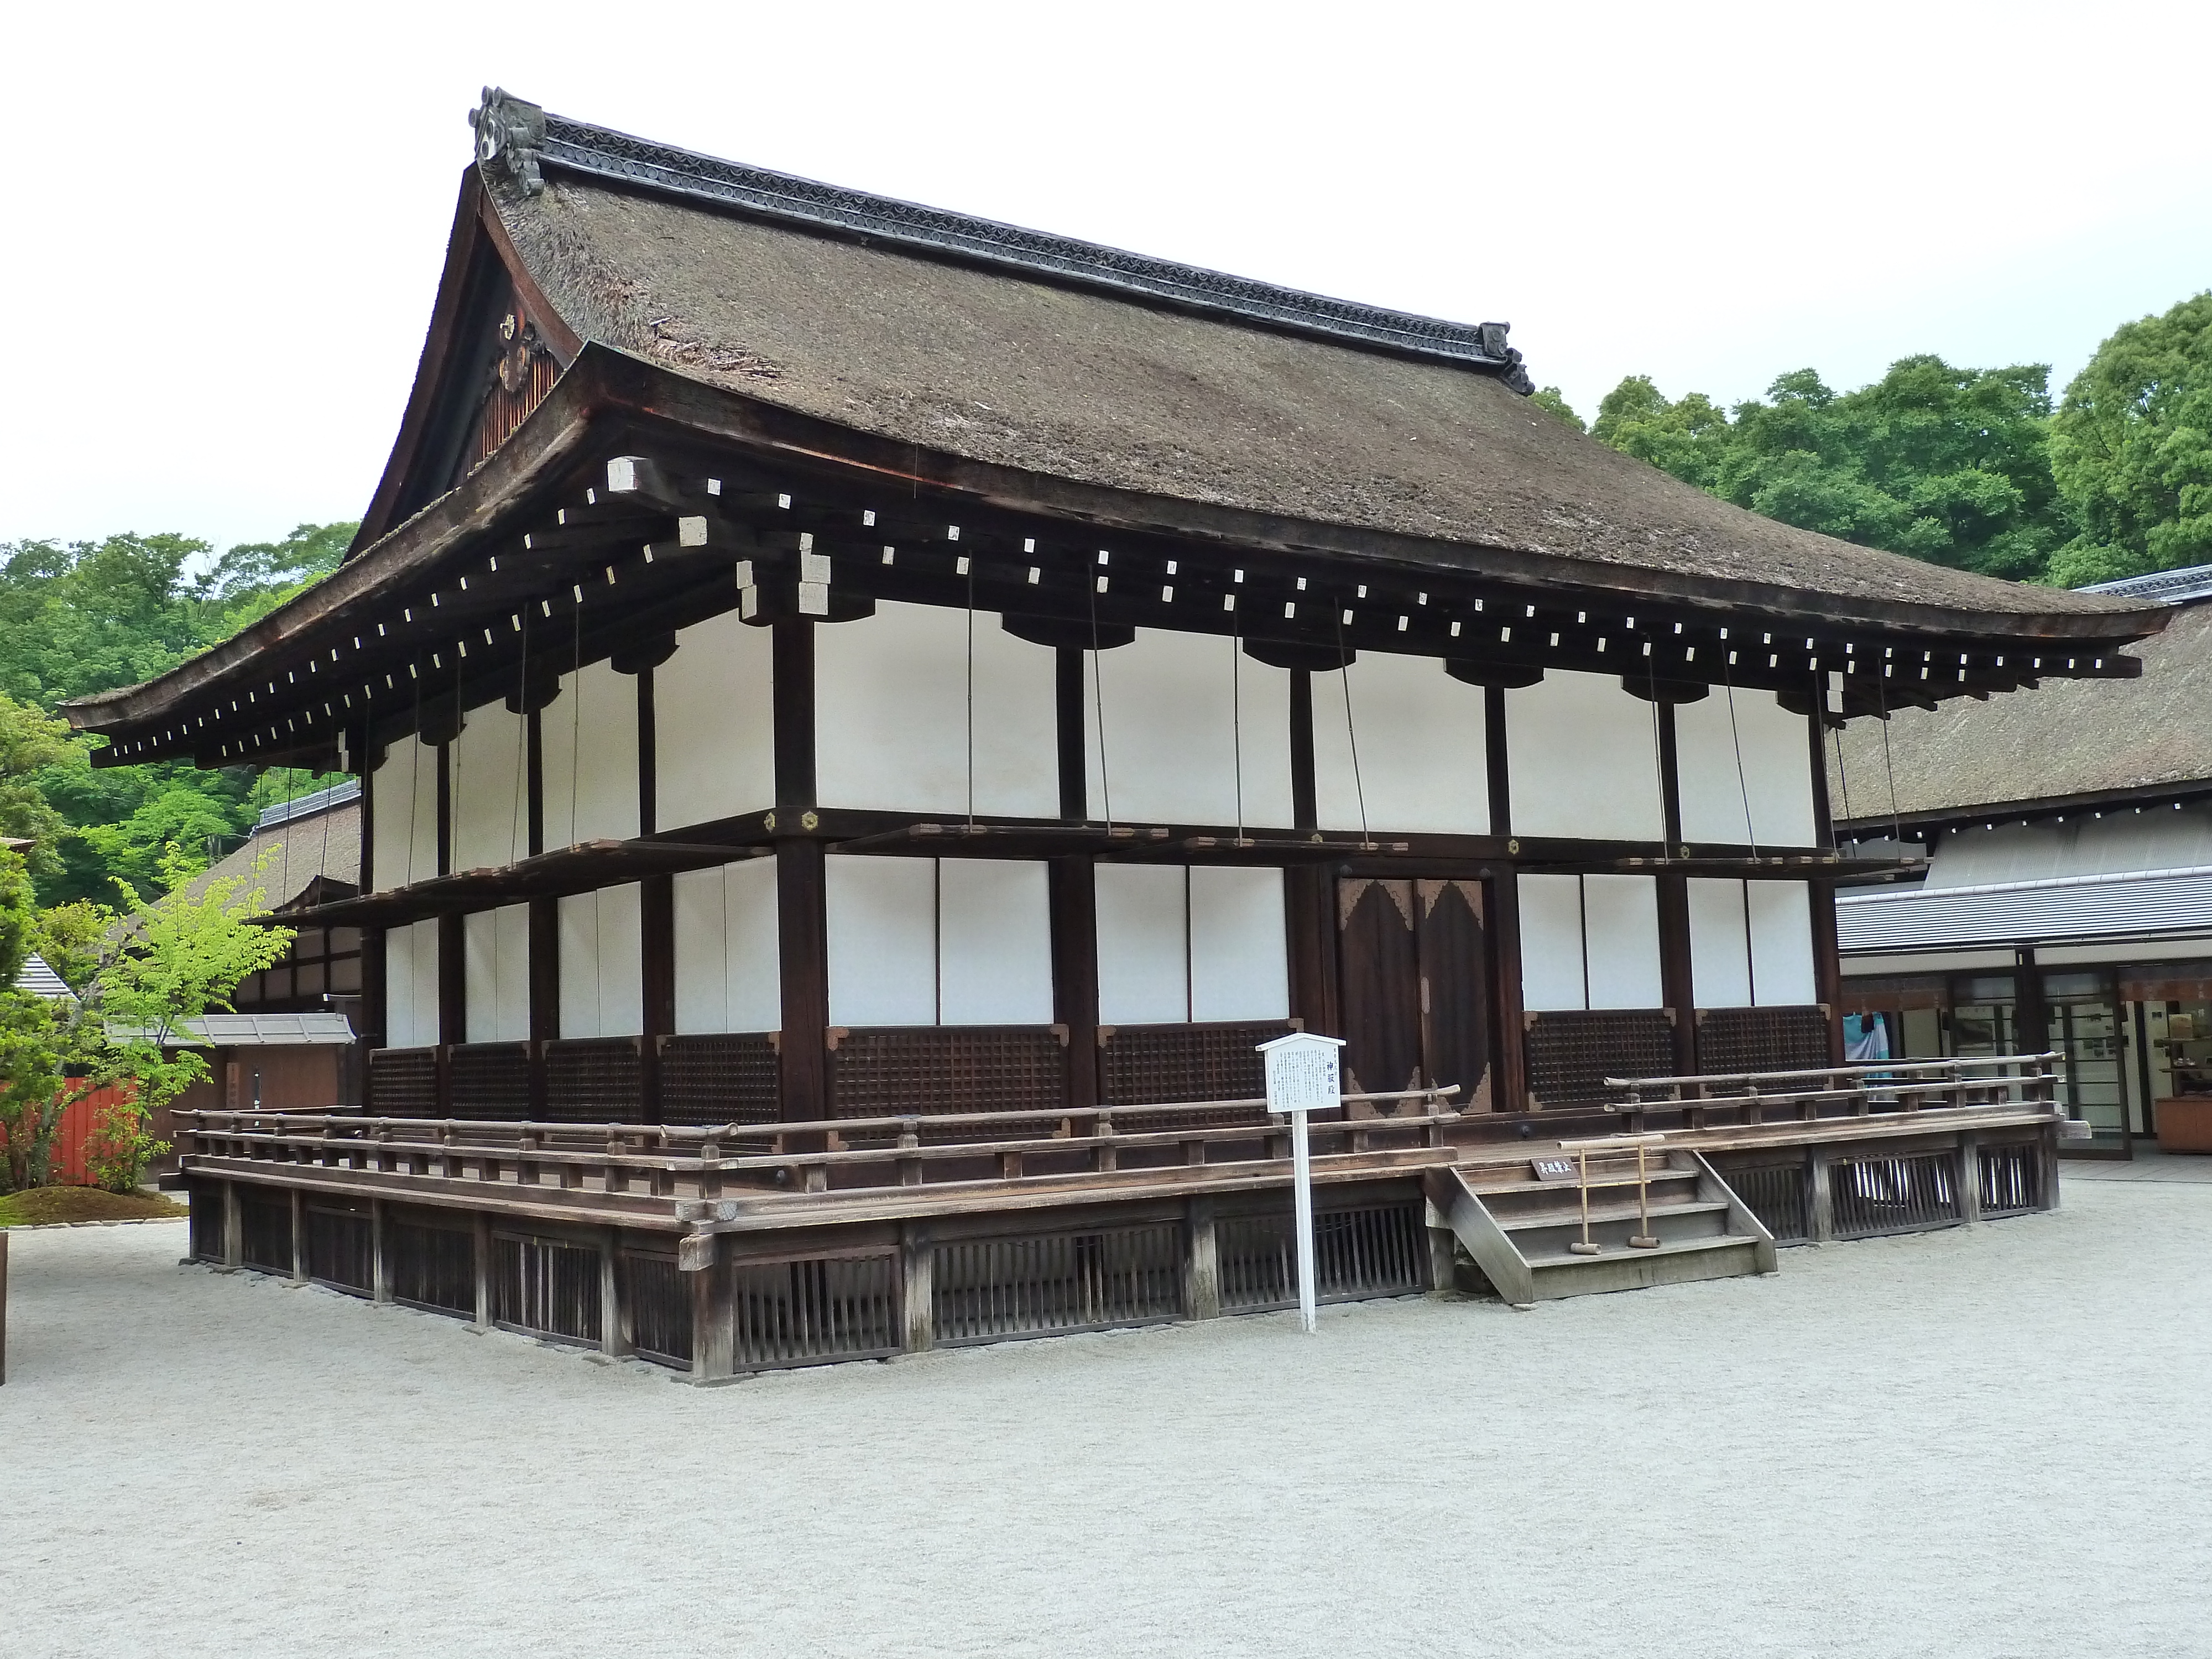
[800, 1313]
[1893, 1194]
[206, 1205]
[659, 1299]
[1794, 1039]
[594, 1080]
[1572, 1052]
[718, 1079]
[1361, 1253]
[265, 1230]
[433, 1267]
[341, 1248]
[987, 1289]
[1146, 1064]
[1777, 1194]
[948, 1068]
[542, 1284]
[489, 1079]
[402, 1082]
[2012, 1178]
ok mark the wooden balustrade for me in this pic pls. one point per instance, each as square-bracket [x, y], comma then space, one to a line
[1877, 1088]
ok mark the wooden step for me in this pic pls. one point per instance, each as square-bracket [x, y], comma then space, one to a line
[1678, 1261]
[1603, 1214]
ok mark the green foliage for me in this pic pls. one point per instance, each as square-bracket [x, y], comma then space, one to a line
[119, 1147]
[1947, 464]
[2132, 446]
[1555, 400]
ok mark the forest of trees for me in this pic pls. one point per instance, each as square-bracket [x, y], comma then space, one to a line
[1972, 467]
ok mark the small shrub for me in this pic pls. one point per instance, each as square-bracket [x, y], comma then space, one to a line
[118, 1149]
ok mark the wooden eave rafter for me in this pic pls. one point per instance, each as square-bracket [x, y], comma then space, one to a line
[444, 606]
[581, 868]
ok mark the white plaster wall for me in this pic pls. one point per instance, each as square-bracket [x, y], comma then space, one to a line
[891, 709]
[602, 964]
[1781, 943]
[594, 722]
[1581, 755]
[1144, 945]
[713, 724]
[1620, 941]
[1239, 948]
[1175, 709]
[728, 974]
[1421, 748]
[883, 941]
[495, 958]
[1720, 944]
[1778, 771]
[993, 943]
[1551, 943]
[403, 792]
[411, 985]
[491, 813]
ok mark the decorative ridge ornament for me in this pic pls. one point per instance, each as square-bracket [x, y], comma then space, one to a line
[510, 136]
[518, 137]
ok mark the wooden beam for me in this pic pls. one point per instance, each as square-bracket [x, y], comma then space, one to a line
[1677, 983]
[1495, 759]
[657, 931]
[1305, 812]
[1068, 708]
[1309, 920]
[445, 812]
[648, 755]
[1511, 1094]
[1670, 778]
[452, 980]
[1074, 910]
[803, 1058]
[1827, 964]
[545, 993]
[792, 663]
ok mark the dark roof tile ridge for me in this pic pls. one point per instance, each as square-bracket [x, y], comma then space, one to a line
[520, 140]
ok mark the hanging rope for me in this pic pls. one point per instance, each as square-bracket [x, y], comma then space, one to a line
[971, 563]
[1881, 691]
[284, 847]
[576, 725]
[1844, 779]
[1735, 738]
[1351, 735]
[1098, 705]
[1659, 759]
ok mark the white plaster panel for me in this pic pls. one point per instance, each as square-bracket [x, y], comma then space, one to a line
[1720, 944]
[491, 813]
[1582, 757]
[713, 724]
[1620, 941]
[411, 985]
[1239, 952]
[728, 974]
[882, 915]
[588, 736]
[993, 943]
[1421, 748]
[892, 706]
[1144, 945]
[1176, 709]
[1551, 943]
[404, 796]
[1782, 944]
[602, 964]
[496, 959]
[1776, 776]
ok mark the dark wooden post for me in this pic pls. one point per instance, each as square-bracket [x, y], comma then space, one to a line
[1677, 979]
[299, 1209]
[1827, 963]
[545, 993]
[657, 940]
[480, 1231]
[1505, 906]
[1305, 811]
[713, 1316]
[1074, 907]
[803, 926]
[1067, 711]
[614, 1305]
[917, 1288]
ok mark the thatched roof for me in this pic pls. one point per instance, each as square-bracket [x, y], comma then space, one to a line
[2069, 740]
[752, 281]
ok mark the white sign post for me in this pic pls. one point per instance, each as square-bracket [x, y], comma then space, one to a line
[1303, 1076]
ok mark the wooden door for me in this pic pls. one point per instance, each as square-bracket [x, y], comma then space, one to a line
[1413, 961]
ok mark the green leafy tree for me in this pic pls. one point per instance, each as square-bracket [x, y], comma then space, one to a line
[35, 1039]
[1555, 400]
[2132, 446]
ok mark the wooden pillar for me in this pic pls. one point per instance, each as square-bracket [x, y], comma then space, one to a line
[452, 980]
[1677, 981]
[1969, 1176]
[656, 932]
[1821, 1224]
[1202, 1282]
[534, 781]
[1074, 908]
[1305, 810]
[545, 993]
[792, 661]
[1827, 964]
[917, 1289]
[614, 1305]
[299, 1207]
[1067, 711]
[1309, 920]
[713, 1318]
[1505, 896]
[1495, 760]
[445, 808]
[234, 1227]
[2031, 1016]
[480, 1231]
[802, 1055]
[379, 1252]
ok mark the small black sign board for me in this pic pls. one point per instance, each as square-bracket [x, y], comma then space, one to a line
[1554, 1168]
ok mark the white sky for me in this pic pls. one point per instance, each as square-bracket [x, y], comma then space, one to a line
[228, 220]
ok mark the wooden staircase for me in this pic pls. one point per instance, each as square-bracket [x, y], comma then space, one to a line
[1521, 1232]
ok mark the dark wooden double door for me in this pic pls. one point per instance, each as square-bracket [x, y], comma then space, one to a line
[1414, 978]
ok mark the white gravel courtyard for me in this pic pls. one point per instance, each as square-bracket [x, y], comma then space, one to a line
[1989, 1441]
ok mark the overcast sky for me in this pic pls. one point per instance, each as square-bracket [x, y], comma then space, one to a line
[229, 220]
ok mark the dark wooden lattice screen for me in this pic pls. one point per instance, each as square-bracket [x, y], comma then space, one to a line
[402, 1082]
[1144, 1064]
[948, 1068]
[594, 1080]
[489, 1079]
[718, 1079]
[1762, 1039]
[1572, 1052]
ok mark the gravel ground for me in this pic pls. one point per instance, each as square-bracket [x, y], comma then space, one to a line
[1984, 1442]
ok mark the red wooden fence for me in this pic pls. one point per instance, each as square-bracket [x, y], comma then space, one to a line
[76, 1128]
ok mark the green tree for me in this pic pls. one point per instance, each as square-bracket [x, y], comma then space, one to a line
[2132, 446]
[1552, 398]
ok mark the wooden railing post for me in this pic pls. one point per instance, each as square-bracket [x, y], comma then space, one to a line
[482, 1230]
[1822, 1221]
[1969, 1176]
[714, 1314]
[615, 1312]
[917, 1289]
[299, 1207]
[1201, 1280]
[379, 1252]
[234, 1228]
